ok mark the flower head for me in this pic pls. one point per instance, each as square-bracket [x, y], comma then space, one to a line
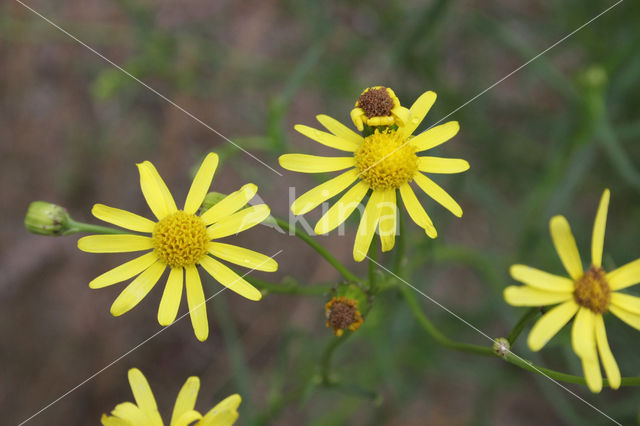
[378, 106]
[586, 294]
[46, 218]
[382, 163]
[180, 240]
[145, 410]
[342, 314]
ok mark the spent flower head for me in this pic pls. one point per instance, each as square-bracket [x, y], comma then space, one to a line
[181, 241]
[342, 314]
[381, 164]
[586, 294]
[145, 411]
[378, 106]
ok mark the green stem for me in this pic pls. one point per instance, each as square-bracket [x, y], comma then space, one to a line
[400, 242]
[563, 377]
[326, 358]
[74, 227]
[321, 250]
[433, 330]
[482, 350]
[528, 316]
[373, 267]
[291, 287]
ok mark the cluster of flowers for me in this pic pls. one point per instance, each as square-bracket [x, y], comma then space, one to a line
[381, 162]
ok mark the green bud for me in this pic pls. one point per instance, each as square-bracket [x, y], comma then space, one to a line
[594, 77]
[210, 200]
[44, 218]
[501, 347]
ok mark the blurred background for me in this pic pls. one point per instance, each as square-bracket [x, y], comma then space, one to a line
[547, 140]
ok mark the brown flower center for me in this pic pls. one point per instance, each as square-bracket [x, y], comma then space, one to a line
[376, 102]
[592, 290]
[343, 313]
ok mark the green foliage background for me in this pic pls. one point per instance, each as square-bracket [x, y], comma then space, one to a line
[545, 141]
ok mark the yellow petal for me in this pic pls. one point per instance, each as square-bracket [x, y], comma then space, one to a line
[315, 164]
[238, 222]
[230, 204]
[224, 413]
[626, 302]
[124, 271]
[416, 211]
[197, 304]
[155, 191]
[629, 317]
[435, 136]
[113, 421]
[608, 361]
[114, 243]
[328, 139]
[230, 279]
[187, 418]
[442, 165]
[201, 183]
[356, 116]
[342, 209]
[170, 302]
[123, 218]
[402, 116]
[566, 247]
[339, 129]
[540, 279]
[387, 223]
[186, 399]
[418, 111]
[142, 392]
[550, 323]
[597, 240]
[367, 227]
[243, 257]
[313, 198]
[530, 296]
[138, 289]
[438, 194]
[625, 276]
[583, 334]
[131, 413]
[592, 374]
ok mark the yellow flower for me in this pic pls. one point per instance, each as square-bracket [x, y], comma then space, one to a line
[145, 411]
[378, 106]
[383, 162]
[180, 240]
[586, 294]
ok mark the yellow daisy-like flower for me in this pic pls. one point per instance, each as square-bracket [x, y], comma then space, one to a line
[145, 411]
[586, 294]
[382, 162]
[180, 240]
[378, 106]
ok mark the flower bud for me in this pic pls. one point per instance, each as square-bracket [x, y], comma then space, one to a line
[46, 218]
[501, 347]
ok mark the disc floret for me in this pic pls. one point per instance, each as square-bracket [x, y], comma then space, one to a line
[180, 239]
[386, 161]
[592, 290]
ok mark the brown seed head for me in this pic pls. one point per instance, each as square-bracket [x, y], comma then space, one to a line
[376, 102]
